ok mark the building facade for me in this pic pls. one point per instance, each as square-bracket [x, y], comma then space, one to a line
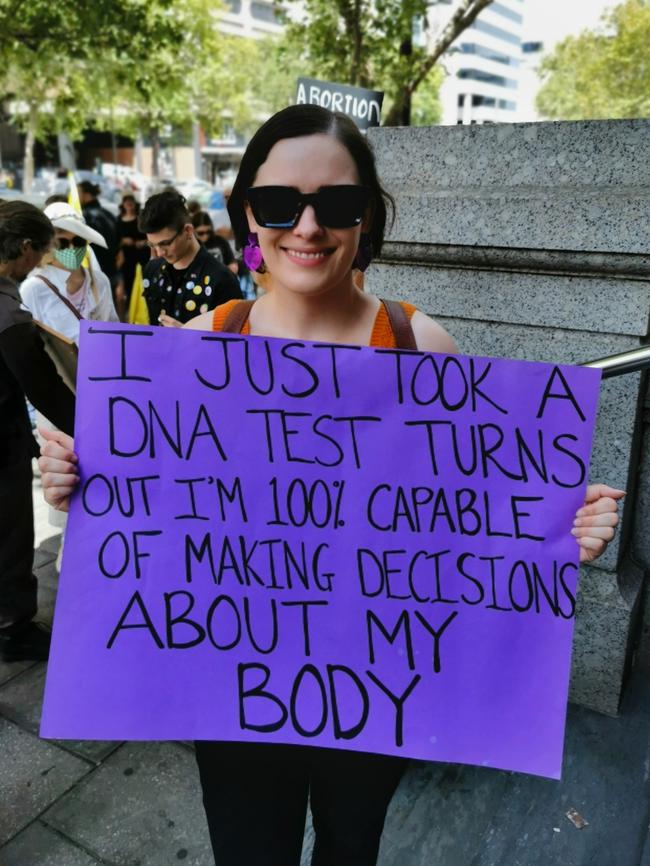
[484, 65]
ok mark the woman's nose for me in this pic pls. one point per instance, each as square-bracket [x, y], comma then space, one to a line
[308, 223]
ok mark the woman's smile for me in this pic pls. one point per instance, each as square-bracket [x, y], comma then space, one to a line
[307, 257]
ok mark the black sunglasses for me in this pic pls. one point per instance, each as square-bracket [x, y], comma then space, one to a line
[280, 207]
[64, 243]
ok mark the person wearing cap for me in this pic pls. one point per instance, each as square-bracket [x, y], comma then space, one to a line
[103, 222]
[183, 280]
[25, 370]
[61, 292]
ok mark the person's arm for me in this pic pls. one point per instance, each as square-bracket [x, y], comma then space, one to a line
[106, 307]
[30, 296]
[24, 354]
[203, 322]
[151, 294]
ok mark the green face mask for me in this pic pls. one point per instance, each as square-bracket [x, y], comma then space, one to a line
[71, 258]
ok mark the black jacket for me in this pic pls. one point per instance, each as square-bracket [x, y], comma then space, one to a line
[105, 223]
[202, 286]
[26, 370]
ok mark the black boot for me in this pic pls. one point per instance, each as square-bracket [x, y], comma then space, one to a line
[29, 641]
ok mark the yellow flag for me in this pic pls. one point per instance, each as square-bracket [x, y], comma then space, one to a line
[73, 201]
[73, 194]
[138, 312]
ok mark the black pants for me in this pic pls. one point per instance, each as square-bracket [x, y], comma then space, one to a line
[255, 798]
[18, 587]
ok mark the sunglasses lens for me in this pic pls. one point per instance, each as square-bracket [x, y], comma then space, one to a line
[341, 207]
[77, 242]
[274, 207]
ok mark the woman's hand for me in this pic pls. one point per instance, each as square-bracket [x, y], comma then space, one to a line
[168, 322]
[595, 523]
[59, 469]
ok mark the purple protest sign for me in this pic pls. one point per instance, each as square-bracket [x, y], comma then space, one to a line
[301, 543]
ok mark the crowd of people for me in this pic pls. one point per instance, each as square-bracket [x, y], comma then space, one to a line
[309, 212]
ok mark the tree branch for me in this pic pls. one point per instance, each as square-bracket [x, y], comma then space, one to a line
[462, 18]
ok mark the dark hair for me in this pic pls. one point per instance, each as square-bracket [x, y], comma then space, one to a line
[296, 121]
[165, 210]
[21, 221]
[56, 197]
[92, 189]
[202, 218]
[130, 198]
[193, 206]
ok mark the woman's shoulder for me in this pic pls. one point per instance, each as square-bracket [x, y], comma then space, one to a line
[34, 283]
[431, 336]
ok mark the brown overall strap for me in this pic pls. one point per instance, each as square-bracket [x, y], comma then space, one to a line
[237, 317]
[61, 297]
[401, 325]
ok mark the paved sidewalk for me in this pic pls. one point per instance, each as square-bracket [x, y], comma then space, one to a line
[138, 804]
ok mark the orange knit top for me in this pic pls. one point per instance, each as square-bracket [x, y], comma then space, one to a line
[382, 334]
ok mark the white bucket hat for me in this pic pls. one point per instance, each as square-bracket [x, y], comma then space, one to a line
[64, 216]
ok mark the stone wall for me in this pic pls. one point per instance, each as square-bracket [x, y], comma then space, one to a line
[531, 241]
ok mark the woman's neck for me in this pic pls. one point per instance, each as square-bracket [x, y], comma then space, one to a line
[344, 315]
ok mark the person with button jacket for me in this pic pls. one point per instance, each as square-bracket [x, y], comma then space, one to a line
[184, 279]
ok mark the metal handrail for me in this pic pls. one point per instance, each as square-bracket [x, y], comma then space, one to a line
[631, 361]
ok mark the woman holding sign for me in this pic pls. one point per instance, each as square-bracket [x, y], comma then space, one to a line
[308, 209]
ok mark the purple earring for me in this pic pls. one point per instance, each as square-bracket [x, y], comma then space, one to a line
[252, 254]
[364, 253]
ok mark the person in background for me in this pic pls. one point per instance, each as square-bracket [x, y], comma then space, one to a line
[183, 280]
[213, 243]
[61, 292]
[103, 221]
[56, 197]
[25, 371]
[193, 206]
[132, 250]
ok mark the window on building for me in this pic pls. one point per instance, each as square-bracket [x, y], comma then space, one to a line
[488, 53]
[483, 101]
[263, 12]
[234, 6]
[488, 78]
[532, 47]
[505, 35]
[491, 102]
[500, 9]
